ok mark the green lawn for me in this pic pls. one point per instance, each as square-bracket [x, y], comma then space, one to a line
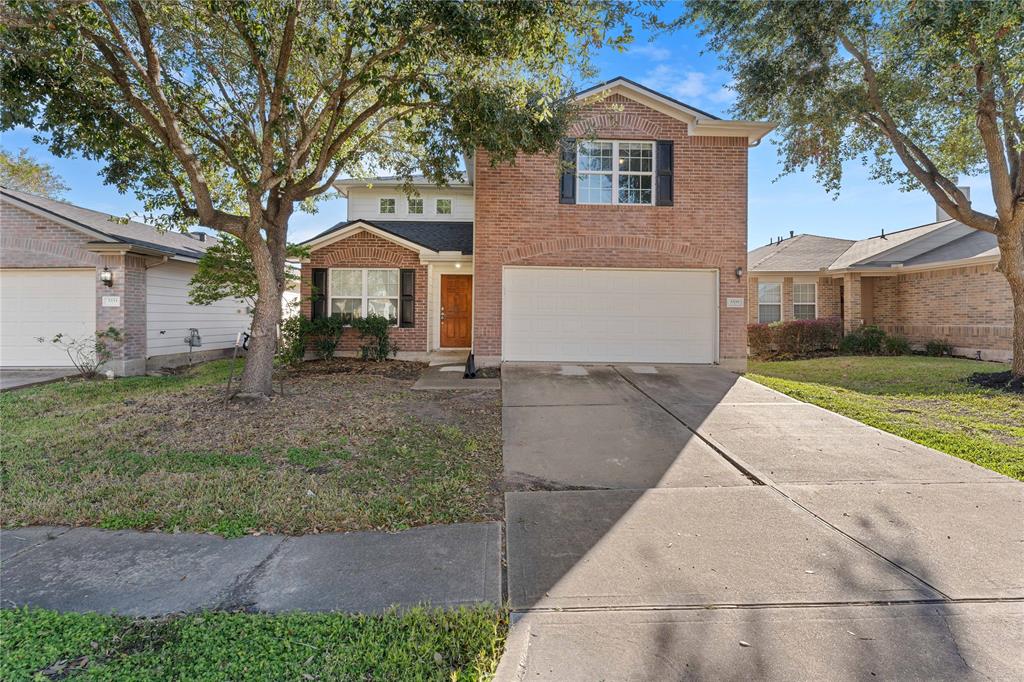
[924, 399]
[416, 645]
[348, 447]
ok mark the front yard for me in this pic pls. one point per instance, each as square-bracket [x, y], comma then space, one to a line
[348, 447]
[923, 399]
[417, 644]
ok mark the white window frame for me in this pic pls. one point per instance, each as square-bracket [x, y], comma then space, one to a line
[408, 205]
[615, 173]
[778, 304]
[364, 298]
[813, 304]
[394, 206]
[451, 205]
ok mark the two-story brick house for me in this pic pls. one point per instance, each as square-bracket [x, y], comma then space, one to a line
[629, 246]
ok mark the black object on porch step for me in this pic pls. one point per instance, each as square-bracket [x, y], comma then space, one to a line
[470, 372]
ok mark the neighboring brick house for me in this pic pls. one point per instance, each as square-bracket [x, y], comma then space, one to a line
[70, 270]
[629, 246]
[934, 281]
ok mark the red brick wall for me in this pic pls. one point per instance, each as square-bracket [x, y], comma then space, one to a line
[968, 307]
[519, 220]
[31, 241]
[365, 250]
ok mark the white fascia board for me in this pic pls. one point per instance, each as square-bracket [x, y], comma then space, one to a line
[446, 257]
[752, 130]
[360, 226]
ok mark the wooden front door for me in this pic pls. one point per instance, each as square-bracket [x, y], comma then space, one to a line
[456, 311]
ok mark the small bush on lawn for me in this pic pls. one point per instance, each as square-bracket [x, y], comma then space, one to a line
[867, 340]
[896, 345]
[938, 348]
[793, 339]
[376, 331]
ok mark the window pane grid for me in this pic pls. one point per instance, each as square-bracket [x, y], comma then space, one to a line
[615, 173]
[769, 312]
[804, 293]
[360, 292]
[769, 293]
[387, 205]
[443, 206]
[415, 206]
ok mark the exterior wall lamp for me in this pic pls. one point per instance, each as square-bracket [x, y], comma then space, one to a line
[739, 272]
[107, 277]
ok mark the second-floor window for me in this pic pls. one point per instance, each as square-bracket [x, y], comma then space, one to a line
[387, 206]
[609, 172]
[415, 206]
[444, 206]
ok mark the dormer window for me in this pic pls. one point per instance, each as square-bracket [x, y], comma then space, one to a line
[609, 172]
[387, 206]
[415, 206]
[443, 207]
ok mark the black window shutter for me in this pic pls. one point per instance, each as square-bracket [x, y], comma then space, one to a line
[407, 302]
[567, 183]
[663, 157]
[319, 293]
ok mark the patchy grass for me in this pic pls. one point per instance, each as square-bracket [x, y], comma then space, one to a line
[417, 644]
[923, 399]
[349, 446]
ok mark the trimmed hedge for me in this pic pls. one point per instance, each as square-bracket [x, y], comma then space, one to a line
[793, 339]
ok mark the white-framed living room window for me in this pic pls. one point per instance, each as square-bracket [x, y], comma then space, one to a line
[415, 206]
[769, 302]
[611, 172]
[358, 292]
[805, 300]
[387, 206]
[443, 206]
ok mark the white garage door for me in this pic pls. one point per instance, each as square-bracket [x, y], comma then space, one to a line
[595, 315]
[43, 303]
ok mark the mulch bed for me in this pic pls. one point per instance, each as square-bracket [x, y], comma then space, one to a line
[392, 369]
[1000, 381]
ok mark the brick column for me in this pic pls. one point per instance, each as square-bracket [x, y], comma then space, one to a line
[787, 299]
[751, 300]
[128, 316]
[853, 317]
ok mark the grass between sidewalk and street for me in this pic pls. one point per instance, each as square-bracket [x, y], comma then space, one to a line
[924, 399]
[415, 645]
[348, 447]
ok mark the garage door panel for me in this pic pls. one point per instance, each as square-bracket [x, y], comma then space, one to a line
[565, 314]
[44, 303]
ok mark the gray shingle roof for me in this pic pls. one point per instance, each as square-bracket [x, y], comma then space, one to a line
[802, 253]
[434, 235]
[138, 234]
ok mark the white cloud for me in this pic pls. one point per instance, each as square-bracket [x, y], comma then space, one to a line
[652, 52]
[676, 83]
[723, 95]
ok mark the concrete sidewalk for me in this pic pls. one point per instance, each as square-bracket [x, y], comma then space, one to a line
[821, 549]
[150, 574]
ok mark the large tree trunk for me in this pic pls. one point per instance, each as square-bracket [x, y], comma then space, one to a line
[1011, 263]
[258, 377]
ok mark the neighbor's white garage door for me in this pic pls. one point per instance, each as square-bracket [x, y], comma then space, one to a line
[44, 303]
[603, 315]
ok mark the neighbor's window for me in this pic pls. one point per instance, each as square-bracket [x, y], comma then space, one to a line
[415, 206]
[361, 292]
[769, 302]
[387, 205]
[444, 206]
[805, 301]
[615, 173]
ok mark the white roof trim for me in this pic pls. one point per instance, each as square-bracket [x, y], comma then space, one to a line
[360, 226]
[698, 123]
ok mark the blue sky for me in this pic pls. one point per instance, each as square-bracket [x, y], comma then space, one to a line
[674, 65]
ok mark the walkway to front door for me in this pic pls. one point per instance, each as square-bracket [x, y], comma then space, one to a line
[456, 311]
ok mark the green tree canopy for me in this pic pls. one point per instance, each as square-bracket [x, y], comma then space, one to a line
[232, 114]
[225, 270]
[25, 174]
[920, 92]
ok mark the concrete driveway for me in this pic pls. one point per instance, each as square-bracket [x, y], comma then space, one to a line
[823, 548]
